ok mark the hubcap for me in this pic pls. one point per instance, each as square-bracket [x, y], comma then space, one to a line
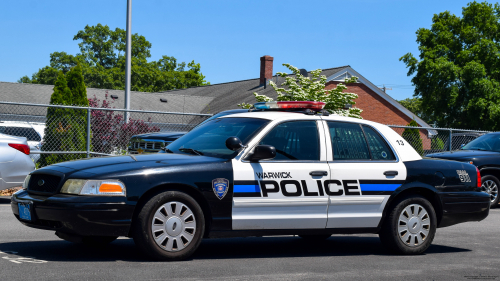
[173, 226]
[414, 225]
[491, 188]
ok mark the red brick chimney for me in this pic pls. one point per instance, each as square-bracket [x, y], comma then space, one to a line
[266, 69]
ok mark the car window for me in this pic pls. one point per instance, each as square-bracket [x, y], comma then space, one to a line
[296, 140]
[210, 138]
[379, 148]
[348, 141]
[29, 133]
[489, 142]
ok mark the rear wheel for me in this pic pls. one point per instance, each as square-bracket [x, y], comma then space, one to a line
[410, 226]
[490, 185]
[170, 226]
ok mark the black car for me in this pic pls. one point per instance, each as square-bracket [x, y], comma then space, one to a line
[484, 153]
[156, 142]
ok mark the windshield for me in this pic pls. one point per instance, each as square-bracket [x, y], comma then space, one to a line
[29, 133]
[490, 142]
[210, 138]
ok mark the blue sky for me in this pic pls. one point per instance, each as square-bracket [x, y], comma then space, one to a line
[228, 37]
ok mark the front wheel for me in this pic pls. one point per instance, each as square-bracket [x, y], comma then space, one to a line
[410, 226]
[170, 226]
[490, 185]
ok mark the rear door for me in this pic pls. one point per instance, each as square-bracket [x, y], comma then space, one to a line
[284, 193]
[365, 171]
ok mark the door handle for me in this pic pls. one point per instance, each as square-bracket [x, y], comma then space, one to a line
[391, 173]
[318, 173]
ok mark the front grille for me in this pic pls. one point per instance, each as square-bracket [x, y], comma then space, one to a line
[44, 183]
[147, 145]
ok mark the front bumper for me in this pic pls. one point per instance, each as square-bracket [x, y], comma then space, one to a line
[79, 215]
[461, 207]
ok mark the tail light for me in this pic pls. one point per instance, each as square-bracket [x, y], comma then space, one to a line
[479, 183]
[21, 147]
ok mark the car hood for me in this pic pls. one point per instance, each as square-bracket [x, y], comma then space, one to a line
[118, 164]
[463, 155]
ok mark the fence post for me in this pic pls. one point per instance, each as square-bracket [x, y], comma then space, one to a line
[88, 132]
[450, 141]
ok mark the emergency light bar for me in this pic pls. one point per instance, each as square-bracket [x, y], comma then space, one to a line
[313, 105]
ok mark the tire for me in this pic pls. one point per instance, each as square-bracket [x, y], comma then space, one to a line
[410, 226]
[315, 238]
[170, 226]
[98, 241]
[491, 185]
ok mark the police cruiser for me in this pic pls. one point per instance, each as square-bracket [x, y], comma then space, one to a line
[286, 168]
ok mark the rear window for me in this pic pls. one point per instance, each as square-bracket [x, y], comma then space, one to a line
[29, 133]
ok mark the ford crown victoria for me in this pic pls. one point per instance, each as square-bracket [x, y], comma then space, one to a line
[286, 168]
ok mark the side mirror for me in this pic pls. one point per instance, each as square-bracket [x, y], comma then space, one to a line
[262, 152]
[234, 143]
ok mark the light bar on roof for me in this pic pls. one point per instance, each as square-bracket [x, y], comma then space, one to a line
[314, 105]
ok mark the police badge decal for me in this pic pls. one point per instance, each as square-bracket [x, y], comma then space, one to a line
[220, 186]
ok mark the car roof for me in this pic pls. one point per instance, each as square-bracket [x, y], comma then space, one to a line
[283, 115]
[15, 124]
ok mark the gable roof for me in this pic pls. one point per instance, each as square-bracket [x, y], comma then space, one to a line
[229, 95]
[209, 99]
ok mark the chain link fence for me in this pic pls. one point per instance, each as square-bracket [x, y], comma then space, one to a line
[57, 133]
[433, 140]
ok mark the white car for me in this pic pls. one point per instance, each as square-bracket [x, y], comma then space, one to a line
[32, 131]
[15, 163]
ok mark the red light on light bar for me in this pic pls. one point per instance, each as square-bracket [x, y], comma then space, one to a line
[21, 147]
[315, 105]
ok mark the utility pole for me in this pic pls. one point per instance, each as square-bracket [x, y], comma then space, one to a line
[128, 63]
[384, 88]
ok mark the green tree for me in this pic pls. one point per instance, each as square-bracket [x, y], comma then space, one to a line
[102, 59]
[300, 88]
[458, 74]
[412, 136]
[66, 128]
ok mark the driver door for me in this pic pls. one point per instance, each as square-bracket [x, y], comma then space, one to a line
[285, 192]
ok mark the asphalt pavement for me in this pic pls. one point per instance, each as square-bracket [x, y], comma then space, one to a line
[468, 251]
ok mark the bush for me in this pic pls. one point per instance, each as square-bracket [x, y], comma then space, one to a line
[412, 136]
[437, 143]
[66, 128]
[110, 134]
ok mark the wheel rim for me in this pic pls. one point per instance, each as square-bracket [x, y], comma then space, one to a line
[491, 188]
[173, 226]
[414, 225]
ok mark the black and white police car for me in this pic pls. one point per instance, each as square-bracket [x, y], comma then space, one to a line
[288, 168]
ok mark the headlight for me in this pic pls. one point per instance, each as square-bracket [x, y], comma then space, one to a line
[26, 182]
[94, 187]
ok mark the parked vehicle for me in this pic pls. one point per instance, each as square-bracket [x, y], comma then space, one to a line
[484, 153]
[33, 132]
[156, 142]
[265, 172]
[15, 163]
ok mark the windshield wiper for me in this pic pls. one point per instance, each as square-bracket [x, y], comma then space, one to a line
[192, 151]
